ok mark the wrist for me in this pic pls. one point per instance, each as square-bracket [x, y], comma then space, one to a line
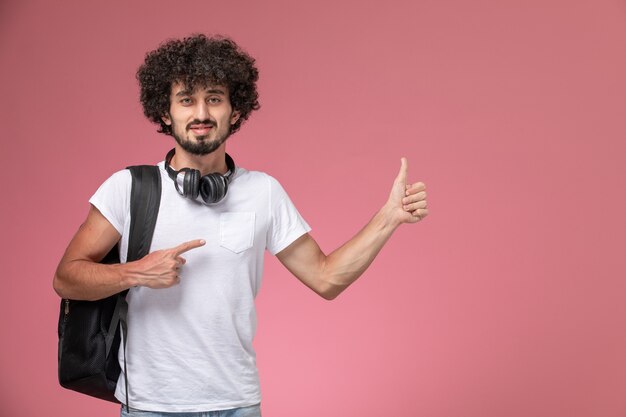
[128, 276]
[387, 219]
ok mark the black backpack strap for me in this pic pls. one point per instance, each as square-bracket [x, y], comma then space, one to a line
[145, 197]
[144, 209]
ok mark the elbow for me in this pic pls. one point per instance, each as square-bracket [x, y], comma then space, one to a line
[329, 290]
[325, 286]
[58, 286]
[329, 296]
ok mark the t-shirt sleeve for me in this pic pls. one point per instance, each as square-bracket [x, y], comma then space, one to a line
[112, 199]
[286, 224]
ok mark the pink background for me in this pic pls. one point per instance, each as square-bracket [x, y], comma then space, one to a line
[507, 301]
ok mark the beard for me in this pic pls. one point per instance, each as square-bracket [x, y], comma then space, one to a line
[202, 145]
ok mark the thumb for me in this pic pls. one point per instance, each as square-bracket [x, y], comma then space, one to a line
[404, 169]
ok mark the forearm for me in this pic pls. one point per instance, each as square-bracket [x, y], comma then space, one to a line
[88, 280]
[344, 265]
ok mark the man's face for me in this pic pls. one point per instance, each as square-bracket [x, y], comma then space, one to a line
[200, 119]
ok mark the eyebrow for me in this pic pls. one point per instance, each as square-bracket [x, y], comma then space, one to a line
[186, 92]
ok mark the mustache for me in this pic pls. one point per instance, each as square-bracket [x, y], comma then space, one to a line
[200, 122]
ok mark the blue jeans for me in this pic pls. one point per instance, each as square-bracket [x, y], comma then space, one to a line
[252, 411]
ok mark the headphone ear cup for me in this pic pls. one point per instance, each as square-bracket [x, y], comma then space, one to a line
[213, 188]
[191, 183]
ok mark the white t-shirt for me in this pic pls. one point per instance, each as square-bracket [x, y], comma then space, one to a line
[189, 347]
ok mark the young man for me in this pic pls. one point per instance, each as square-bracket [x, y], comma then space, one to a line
[191, 300]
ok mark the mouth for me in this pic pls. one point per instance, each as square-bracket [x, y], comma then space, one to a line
[200, 129]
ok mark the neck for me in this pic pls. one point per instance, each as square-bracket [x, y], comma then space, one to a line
[206, 164]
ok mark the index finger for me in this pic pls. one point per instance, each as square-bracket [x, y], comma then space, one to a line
[414, 188]
[187, 246]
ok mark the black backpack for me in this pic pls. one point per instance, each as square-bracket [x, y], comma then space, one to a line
[88, 330]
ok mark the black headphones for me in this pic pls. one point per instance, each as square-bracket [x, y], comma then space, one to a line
[190, 183]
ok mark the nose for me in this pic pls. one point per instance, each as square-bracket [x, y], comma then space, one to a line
[202, 111]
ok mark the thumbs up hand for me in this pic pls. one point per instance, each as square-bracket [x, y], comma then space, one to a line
[407, 202]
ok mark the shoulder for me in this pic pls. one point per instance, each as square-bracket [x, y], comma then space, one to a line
[264, 184]
[117, 187]
[256, 178]
[112, 199]
[121, 177]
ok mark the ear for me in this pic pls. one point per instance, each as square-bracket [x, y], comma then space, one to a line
[234, 117]
[166, 119]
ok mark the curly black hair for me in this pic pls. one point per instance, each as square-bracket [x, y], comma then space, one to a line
[197, 61]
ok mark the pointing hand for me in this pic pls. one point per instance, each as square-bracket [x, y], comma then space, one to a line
[160, 268]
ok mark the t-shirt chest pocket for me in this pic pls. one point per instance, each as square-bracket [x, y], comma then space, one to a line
[237, 231]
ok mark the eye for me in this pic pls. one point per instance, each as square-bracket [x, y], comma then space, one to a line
[214, 100]
[185, 101]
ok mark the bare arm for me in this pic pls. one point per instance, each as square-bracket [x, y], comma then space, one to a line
[330, 275]
[79, 276]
